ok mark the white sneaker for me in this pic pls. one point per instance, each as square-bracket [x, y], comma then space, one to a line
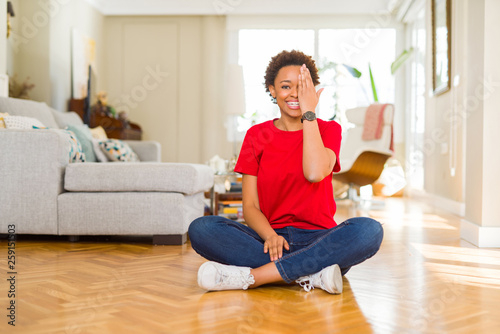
[213, 276]
[328, 279]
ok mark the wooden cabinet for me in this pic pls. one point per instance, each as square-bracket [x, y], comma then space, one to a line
[115, 128]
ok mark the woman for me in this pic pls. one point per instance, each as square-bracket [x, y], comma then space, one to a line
[288, 203]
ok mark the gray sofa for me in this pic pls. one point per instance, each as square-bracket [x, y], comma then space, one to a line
[42, 193]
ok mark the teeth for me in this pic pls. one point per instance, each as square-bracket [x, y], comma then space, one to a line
[293, 103]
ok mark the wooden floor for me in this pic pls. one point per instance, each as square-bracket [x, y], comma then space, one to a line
[423, 280]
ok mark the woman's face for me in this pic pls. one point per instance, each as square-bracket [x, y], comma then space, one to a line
[285, 90]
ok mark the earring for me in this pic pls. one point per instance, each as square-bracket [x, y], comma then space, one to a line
[273, 99]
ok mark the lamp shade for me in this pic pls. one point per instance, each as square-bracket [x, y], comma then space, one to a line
[235, 90]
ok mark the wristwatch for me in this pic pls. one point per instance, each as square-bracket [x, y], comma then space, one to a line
[308, 116]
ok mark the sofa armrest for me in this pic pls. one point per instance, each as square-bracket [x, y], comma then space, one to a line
[146, 150]
[32, 164]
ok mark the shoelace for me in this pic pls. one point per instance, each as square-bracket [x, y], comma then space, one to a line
[236, 279]
[305, 283]
[309, 282]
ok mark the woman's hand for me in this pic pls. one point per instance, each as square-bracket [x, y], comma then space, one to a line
[308, 97]
[274, 245]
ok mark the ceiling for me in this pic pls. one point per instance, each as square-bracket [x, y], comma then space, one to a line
[245, 7]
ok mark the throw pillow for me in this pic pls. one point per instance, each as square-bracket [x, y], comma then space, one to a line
[21, 122]
[2, 122]
[99, 154]
[99, 133]
[84, 136]
[75, 152]
[117, 150]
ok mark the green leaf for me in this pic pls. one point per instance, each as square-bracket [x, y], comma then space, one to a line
[353, 71]
[400, 60]
[374, 89]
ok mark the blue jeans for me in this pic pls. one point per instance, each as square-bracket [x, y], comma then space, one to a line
[347, 244]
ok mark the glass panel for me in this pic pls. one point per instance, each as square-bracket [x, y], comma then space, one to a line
[356, 48]
[256, 48]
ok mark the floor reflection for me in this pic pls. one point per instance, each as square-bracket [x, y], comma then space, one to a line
[279, 309]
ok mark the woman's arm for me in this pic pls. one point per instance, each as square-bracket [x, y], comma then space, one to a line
[255, 219]
[317, 160]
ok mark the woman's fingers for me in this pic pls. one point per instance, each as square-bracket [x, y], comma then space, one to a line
[306, 77]
[275, 247]
[308, 97]
[318, 94]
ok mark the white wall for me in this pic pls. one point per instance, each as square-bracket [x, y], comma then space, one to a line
[3, 38]
[76, 14]
[491, 122]
[481, 225]
[40, 46]
[474, 135]
[443, 146]
[462, 124]
[181, 105]
[29, 48]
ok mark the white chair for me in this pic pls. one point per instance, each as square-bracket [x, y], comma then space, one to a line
[362, 161]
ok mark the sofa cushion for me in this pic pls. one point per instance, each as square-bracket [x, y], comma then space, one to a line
[127, 213]
[64, 119]
[19, 107]
[143, 176]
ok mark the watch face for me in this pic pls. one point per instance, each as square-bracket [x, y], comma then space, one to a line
[309, 115]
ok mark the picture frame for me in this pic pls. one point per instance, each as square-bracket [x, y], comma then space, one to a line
[441, 45]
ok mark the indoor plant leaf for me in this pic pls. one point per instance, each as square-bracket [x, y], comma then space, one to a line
[353, 71]
[374, 89]
[400, 60]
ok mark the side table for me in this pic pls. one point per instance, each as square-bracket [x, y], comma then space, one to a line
[217, 197]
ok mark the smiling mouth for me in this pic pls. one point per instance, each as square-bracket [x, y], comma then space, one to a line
[293, 104]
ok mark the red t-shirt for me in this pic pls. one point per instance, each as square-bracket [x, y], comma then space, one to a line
[286, 198]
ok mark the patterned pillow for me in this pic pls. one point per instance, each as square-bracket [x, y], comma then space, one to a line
[99, 154]
[117, 150]
[75, 152]
[84, 137]
[21, 122]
